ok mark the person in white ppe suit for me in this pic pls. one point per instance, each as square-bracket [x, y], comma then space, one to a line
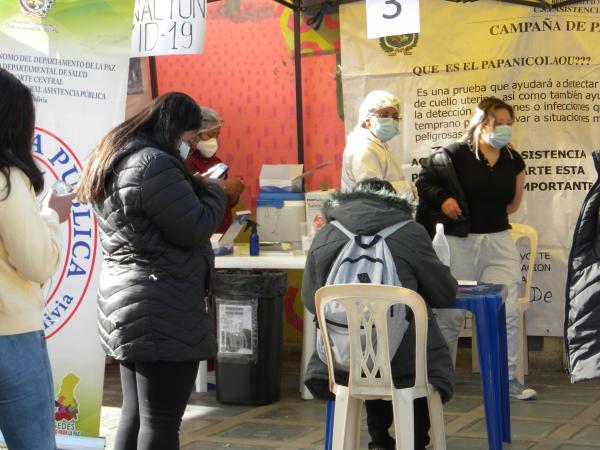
[367, 154]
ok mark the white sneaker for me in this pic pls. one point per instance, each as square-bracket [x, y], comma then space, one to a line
[520, 391]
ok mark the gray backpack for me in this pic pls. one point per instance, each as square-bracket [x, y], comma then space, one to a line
[364, 259]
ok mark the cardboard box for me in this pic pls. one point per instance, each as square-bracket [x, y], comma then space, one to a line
[279, 216]
[314, 201]
[281, 178]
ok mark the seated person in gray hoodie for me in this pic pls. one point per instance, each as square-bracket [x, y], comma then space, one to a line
[372, 205]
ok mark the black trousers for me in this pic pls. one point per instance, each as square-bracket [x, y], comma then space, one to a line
[155, 395]
[380, 417]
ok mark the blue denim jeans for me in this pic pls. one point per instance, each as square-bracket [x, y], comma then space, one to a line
[26, 392]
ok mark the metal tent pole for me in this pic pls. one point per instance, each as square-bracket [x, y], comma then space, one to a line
[153, 77]
[298, 75]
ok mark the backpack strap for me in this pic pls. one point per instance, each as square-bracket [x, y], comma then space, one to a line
[384, 233]
[357, 238]
[343, 229]
[388, 231]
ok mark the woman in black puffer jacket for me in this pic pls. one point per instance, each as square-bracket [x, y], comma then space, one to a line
[156, 220]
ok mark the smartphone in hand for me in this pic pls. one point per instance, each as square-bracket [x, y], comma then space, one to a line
[217, 172]
[62, 188]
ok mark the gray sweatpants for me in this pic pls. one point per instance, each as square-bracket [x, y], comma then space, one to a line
[490, 258]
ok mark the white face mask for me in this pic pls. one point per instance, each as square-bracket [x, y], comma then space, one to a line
[184, 150]
[208, 148]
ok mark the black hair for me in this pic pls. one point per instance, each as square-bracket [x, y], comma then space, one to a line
[163, 121]
[17, 114]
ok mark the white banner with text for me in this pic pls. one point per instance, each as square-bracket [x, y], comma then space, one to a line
[542, 62]
[173, 27]
[77, 71]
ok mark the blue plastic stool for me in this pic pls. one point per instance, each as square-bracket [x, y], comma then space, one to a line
[486, 303]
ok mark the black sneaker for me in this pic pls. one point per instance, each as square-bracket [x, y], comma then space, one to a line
[390, 446]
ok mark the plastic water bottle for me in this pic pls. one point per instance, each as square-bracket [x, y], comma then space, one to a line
[440, 244]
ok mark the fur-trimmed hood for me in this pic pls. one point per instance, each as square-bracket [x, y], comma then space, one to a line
[367, 212]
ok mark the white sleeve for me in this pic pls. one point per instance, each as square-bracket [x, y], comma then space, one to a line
[368, 164]
[30, 236]
[403, 186]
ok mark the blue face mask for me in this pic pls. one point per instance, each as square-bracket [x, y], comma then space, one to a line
[500, 136]
[385, 128]
[184, 150]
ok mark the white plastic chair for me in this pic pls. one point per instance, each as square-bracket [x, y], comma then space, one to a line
[370, 374]
[518, 231]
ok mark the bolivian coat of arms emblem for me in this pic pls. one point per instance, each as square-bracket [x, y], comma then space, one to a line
[37, 8]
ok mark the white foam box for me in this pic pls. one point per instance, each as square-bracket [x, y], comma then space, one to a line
[314, 201]
[279, 216]
[281, 178]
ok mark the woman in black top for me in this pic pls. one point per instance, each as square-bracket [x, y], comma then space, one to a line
[471, 186]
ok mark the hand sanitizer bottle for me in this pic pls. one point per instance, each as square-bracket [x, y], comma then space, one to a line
[254, 239]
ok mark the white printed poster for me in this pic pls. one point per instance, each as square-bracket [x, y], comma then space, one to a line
[235, 328]
[391, 17]
[174, 27]
[542, 62]
[77, 70]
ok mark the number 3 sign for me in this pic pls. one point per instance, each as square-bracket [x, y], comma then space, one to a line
[392, 17]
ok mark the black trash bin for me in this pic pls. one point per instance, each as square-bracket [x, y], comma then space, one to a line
[249, 316]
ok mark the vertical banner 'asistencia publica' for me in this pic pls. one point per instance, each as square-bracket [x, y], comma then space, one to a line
[74, 56]
[543, 62]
